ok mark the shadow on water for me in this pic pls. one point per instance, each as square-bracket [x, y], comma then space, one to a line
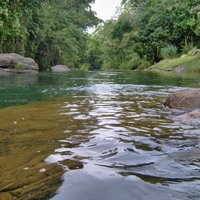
[99, 135]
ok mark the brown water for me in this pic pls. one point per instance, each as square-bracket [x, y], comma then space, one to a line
[98, 136]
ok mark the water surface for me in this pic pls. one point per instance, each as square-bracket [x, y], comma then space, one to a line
[96, 135]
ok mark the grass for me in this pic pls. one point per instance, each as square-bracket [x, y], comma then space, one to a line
[190, 63]
[20, 67]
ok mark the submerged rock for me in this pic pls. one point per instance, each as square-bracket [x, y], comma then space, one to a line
[17, 62]
[60, 68]
[188, 100]
[192, 118]
[27, 138]
[184, 99]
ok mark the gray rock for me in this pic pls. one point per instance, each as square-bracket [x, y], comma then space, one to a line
[179, 69]
[189, 99]
[60, 68]
[15, 61]
[192, 118]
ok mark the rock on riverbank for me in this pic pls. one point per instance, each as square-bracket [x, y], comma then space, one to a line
[60, 69]
[15, 63]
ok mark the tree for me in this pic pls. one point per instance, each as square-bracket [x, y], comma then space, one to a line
[50, 31]
[146, 31]
[14, 18]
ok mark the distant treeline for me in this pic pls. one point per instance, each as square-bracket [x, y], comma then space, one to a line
[55, 32]
[50, 31]
[145, 32]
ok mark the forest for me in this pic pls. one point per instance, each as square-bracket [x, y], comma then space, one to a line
[143, 32]
[50, 31]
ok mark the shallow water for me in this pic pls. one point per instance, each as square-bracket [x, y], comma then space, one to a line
[95, 136]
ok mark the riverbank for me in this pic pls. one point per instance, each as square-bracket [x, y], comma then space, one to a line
[185, 63]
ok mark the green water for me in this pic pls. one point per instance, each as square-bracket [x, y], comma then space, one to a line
[96, 135]
[20, 89]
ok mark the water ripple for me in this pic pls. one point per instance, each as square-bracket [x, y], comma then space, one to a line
[124, 131]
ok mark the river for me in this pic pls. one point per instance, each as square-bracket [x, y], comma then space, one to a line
[94, 136]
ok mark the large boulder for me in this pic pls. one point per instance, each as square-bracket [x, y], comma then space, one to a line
[60, 68]
[18, 62]
[184, 99]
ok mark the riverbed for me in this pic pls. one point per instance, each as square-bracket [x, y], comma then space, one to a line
[96, 135]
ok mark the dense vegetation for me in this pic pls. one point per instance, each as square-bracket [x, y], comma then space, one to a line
[145, 32]
[54, 31]
[50, 31]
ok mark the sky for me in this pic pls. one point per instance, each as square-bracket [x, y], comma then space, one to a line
[105, 9]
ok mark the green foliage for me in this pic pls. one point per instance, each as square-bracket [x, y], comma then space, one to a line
[195, 22]
[20, 67]
[93, 53]
[85, 67]
[132, 62]
[120, 28]
[144, 64]
[188, 62]
[169, 51]
[52, 32]
[14, 19]
[148, 31]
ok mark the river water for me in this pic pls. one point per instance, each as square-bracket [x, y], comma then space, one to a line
[94, 136]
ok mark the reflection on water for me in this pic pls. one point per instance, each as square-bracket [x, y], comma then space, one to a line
[112, 137]
[128, 145]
